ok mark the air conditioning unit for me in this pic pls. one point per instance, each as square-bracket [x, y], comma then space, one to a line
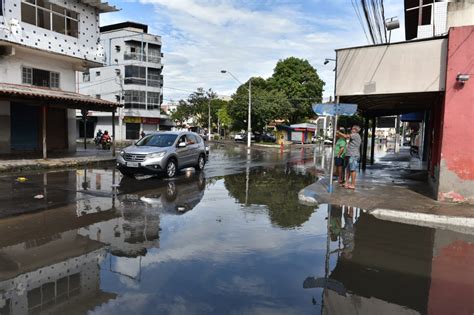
[7, 51]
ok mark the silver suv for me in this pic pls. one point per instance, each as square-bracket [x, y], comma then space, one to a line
[163, 152]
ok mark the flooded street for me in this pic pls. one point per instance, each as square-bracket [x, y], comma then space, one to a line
[231, 240]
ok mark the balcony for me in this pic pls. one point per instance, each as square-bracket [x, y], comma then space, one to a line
[134, 56]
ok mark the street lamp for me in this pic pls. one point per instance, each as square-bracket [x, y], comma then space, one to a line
[334, 127]
[249, 123]
[326, 61]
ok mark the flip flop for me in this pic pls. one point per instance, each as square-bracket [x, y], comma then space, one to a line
[350, 187]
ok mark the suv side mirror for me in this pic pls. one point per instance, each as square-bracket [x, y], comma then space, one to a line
[182, 145]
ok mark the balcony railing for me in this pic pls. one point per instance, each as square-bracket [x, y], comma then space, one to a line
[134, 56]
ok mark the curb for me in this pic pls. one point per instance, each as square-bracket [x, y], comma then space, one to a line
[314, 195]
[36, 165]
[459, 224]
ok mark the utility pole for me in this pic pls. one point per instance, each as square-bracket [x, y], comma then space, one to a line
[249, 123]
[249, 118]
[209, 119]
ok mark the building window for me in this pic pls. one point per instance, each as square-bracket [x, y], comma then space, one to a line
[40, 77]
[154, 77]
[50, 16]
[52, 294]
[97, 73]
[135, 99]
[97, 96]
[135, 75]
[134, 50]
[27, 76]
[54, 80]
[132, 131]
[86, 77]
[153, 101]
[154, 53]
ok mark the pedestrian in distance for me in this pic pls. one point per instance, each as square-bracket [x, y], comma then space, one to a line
[106, 141]
[143, 134]
[352, 155]
[98, 137]
[339, 156]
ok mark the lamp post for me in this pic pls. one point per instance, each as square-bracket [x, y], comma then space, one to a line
[334, 127]
[249, 119]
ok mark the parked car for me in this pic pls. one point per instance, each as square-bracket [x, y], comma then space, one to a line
[163, 152]
[240, 137]
[268, 137]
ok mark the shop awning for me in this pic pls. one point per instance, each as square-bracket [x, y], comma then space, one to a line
[52, 97]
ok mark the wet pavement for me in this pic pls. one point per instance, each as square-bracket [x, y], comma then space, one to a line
[231, 240]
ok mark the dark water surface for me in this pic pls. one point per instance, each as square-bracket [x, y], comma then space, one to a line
[234, 244]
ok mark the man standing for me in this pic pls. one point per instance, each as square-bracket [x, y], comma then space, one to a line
[352, 155]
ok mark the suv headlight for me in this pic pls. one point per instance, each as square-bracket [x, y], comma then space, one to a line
[155, 155]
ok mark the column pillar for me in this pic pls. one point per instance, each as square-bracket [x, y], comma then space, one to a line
[5, 127]
[113, 133]
[365, 143]
[43, 133]
[372, 147]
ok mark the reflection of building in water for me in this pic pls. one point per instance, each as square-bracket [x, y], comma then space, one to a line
[129, 235]
[388, 270]
[58, 273]
[401, 269]
[452, 274]
[96, 186]
[45, 265]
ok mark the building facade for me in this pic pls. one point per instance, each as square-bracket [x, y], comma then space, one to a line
[42, 45]
[132, 74]
[431, 76]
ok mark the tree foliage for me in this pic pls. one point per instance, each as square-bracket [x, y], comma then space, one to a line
[196, 108]
[287, 95]
[300, 82]
[267, 105]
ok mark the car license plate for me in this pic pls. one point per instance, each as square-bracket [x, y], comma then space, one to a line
[133, 164]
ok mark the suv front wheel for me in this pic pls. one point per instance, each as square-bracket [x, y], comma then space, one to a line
[201, 163]
[171, 168]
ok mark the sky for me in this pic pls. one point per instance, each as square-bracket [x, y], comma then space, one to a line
[246, 37]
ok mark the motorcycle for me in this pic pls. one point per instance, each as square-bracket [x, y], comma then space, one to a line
[106, 144]
[97, 140]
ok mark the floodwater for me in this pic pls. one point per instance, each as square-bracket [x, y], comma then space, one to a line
[232, 240]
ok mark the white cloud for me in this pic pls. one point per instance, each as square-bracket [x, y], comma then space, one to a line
[201, 37]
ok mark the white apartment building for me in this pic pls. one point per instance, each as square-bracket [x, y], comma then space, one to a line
[132, 74]
[42, 45]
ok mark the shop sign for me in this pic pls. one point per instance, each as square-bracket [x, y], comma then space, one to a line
[132, 120]
[151, 121]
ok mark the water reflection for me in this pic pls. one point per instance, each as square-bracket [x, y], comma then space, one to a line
[277, 188]
[392, 268]
[220, 246]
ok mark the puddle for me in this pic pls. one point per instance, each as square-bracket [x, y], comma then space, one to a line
[234, 244]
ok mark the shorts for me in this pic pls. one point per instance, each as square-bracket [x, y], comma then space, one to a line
[339, 161]
[352, 163]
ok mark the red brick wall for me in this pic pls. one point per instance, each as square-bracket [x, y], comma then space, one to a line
[457, 144]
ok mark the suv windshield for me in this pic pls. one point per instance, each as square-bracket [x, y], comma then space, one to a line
[165, 140]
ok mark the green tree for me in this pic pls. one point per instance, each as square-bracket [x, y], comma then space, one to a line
[267, 105]
[300, 83]
[196, 107]
[182, 113]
